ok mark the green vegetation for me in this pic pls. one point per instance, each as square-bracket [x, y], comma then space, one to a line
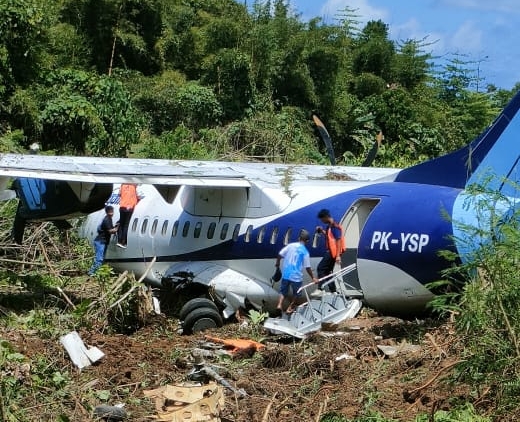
[216, 80]
[486, 303]
[465, 413]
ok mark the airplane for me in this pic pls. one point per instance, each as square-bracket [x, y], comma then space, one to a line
[210, 231]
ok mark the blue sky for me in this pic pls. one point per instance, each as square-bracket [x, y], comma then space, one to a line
[485, 31]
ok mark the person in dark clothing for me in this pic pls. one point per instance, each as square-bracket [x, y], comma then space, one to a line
[105, 230]
[335, 244]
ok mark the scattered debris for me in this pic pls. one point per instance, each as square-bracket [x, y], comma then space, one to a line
[110, 413]
[203, 373]
[392, 351]
[344, 356]
[242, 347]
[183, 403]
[156, 305]
[334, 334]
[79, 354]
[388, 351]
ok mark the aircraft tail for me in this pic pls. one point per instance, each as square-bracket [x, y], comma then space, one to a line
[494, 155]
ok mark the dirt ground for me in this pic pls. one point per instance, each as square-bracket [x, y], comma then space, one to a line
[289, 380]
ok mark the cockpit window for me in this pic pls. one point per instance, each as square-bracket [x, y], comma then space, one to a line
[175, 228]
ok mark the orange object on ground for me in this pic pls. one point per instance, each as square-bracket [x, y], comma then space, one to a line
[237, 345]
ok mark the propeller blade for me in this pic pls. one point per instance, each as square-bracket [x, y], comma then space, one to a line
[326, 138]
[373, 151]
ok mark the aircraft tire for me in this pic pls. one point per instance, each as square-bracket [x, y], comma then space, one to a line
[201, 319]
[192, 304]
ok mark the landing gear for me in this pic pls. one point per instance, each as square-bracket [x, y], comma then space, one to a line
[198, 302]
[201, 319]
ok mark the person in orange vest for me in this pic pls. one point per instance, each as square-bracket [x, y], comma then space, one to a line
[335, 244]
[128, 199]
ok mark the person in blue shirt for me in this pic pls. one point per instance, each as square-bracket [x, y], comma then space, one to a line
[295, 258]
[105, 230]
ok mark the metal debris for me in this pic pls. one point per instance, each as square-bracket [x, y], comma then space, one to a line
[79, 354]
[183, 403]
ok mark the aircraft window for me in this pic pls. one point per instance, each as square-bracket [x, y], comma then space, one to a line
[164, 229]
[144, 226]
[134, 224]
[261, 235]
[223, 232]
[175, 228]
[198, 229]
[247, 237]
[274, 235]
[236, 232]
[211, 230]
[287, 237]
[185, 229]
[154, 227]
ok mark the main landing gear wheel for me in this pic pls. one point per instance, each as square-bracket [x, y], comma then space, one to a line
[198, 302]
[201, 319]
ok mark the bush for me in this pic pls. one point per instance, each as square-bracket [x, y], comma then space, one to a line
[489, 311]
[178, 144]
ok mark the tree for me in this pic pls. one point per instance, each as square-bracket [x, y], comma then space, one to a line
[375, 52]
[22, 33]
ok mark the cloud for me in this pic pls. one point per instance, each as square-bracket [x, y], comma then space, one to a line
[362, 8]
[467, 38]
[434, 42]
[507, 6]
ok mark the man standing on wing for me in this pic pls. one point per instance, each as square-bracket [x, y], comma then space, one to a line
[295, 258]
[335, 243]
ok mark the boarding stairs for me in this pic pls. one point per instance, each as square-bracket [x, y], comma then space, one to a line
[331, 308]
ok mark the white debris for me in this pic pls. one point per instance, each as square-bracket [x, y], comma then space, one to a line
[79, 354]
[156, 305]
[344, 356]
[388, 351]
[392, 351]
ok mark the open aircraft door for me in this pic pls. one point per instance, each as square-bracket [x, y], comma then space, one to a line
[353, 222]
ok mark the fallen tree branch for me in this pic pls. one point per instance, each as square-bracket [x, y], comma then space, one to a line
[422, 387]
[265, 418]
[58, 288]
[138, 284]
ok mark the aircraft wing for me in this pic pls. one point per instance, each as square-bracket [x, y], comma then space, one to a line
[174, 172]
[117, 170]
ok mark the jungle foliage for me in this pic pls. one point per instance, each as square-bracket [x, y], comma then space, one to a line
[214, 79]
